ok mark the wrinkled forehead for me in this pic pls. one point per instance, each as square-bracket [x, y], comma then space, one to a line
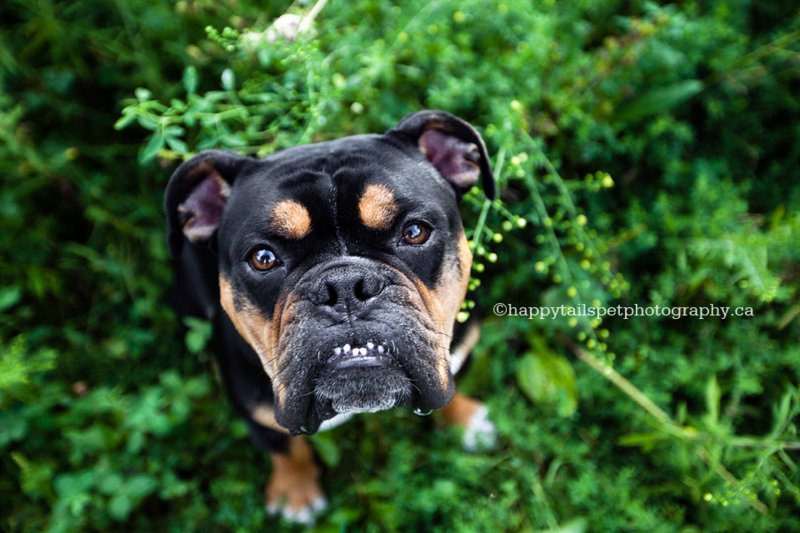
[363, 178]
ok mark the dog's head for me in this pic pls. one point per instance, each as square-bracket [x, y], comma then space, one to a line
[343, 263]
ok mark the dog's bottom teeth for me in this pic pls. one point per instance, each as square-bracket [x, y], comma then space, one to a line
[369, 349]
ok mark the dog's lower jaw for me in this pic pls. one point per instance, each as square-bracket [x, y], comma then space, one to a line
[363, 390]
[345, 406]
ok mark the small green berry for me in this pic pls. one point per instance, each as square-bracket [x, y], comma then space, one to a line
[572, 292]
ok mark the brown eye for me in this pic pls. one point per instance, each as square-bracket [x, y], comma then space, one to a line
[263, 259]
[416, 233]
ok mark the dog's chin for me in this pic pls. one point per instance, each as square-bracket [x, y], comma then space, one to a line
[347, 391]
[362, 390]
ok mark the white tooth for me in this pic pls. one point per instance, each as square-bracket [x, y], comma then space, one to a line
[337, 351]
[380, 349]
[370, 345]
[346, 348]
[363, 351]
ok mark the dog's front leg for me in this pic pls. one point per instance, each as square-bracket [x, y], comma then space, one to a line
[293, 489]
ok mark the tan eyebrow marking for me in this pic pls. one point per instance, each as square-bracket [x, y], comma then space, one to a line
[377, 207]
[290, 219]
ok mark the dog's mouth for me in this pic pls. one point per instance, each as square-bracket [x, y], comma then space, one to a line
[360, 378]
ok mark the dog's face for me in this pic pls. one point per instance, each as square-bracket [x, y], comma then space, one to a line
[343, 264]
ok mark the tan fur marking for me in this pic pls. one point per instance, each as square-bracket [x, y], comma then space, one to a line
[434, 309]
[460, 410]
[449, 295]
[265, 415]
[443, 303]
[290, 219]
[294, 478]
[250, 324]
[377, 207]
[452, 288]
[259, 332]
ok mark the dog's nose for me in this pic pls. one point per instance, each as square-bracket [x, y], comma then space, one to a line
[347, 288]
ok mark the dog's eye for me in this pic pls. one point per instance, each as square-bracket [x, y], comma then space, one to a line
[416, 233]
[263, 259]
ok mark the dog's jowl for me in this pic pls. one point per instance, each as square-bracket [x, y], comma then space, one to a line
[333, 273]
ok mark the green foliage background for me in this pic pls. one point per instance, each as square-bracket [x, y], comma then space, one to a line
[647, 152]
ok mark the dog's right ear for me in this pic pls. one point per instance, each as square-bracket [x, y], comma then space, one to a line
[196, 195]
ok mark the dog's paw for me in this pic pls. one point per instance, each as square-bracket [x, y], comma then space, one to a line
[293, 491]
[304, 511]
[479, 432]
[300, 503]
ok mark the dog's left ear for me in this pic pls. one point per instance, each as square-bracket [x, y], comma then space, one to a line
[451, 145]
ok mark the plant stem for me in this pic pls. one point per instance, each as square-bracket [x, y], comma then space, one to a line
[659, 414]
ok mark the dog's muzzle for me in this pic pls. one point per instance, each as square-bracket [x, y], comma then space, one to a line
[360, 341]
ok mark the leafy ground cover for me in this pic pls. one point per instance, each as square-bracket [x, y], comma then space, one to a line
[647, 154]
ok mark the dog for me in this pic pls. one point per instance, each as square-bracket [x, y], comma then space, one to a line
[333, 273]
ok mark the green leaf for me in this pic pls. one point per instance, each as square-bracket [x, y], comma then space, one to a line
[659, 101]
[198, 334]
[13, 427]
[547, 379]
[713, 395]
[125, 120]
[120, 507]
[142, 94]
[645, 441]
[178, 145]
[576, 525]
[152, 148]
[327, 448]
[9, 297]
[110, 483]
[190, 79]
[141, 485]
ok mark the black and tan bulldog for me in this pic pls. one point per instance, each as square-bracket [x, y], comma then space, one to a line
[340, 267]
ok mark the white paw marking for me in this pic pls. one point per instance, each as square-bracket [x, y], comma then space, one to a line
[305, 515]
[480, 433]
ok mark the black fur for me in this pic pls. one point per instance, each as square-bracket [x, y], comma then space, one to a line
[350, 284]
